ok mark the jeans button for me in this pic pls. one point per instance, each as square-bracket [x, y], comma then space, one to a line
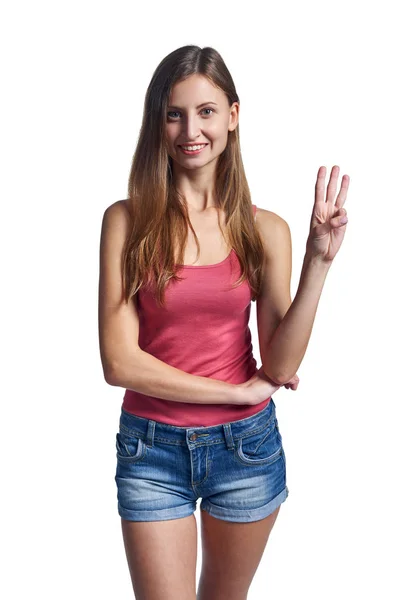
[193, 437]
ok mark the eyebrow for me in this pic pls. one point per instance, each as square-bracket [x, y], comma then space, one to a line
[200, 105]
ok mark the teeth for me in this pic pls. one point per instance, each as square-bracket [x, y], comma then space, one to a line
[191, 148]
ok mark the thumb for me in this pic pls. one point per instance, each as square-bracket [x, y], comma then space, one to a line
[340, 220]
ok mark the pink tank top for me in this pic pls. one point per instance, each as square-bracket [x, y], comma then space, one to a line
[203, 330]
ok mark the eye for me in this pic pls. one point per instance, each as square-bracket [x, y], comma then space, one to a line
[176, 112]
[171, 113]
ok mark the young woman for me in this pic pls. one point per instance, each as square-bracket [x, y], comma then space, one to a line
[180, 262]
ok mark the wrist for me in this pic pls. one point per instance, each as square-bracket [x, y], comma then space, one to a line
[240, 393]
[317, 262]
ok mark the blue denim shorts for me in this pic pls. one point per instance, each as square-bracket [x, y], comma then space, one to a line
[237, 468]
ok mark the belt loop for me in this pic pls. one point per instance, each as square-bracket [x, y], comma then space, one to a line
[150, 433]
[228, 436]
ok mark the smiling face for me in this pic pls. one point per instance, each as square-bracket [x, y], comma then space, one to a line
[198, 113]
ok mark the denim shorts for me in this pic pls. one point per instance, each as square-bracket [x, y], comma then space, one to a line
[237, 468]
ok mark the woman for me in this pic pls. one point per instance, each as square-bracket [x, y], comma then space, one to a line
[180, 262]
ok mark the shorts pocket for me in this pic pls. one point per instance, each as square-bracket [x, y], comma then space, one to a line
[130, 448]
[260, 448]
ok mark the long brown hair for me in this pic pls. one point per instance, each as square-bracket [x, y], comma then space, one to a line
[158, 211]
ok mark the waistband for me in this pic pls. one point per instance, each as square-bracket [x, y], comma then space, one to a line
[149, 430]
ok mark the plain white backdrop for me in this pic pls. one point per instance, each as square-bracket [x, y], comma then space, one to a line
[318, 85]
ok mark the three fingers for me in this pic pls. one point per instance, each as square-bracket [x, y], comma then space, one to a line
[332, 185]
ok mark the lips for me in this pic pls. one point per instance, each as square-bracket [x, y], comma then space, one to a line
[193, 152]
[198, 144]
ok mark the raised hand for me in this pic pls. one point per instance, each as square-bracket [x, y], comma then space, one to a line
[329, 218]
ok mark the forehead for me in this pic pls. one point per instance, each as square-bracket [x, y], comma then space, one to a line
[194, 90]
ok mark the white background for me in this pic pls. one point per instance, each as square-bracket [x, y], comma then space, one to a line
[318, 85]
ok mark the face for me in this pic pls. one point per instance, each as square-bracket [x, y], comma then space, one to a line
[198, 113]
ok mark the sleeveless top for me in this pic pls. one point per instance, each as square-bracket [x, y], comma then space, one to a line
[203, 330]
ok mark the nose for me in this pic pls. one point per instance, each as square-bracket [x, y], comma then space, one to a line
[191, 127]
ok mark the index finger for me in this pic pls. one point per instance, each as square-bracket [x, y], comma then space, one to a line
[320, 185]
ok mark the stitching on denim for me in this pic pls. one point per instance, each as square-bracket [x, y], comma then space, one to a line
[260, 461]
[133, 458]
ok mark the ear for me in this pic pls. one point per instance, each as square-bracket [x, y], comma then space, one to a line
[234, 116]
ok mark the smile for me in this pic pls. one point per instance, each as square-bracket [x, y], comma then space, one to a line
[191, 150]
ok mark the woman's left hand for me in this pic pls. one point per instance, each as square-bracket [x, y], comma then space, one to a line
[327, 228]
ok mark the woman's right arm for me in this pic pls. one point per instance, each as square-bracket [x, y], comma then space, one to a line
[148, 375]
[124, 363]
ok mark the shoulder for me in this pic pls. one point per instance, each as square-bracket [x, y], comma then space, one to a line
[119, 206]
[116, 222]
[119, 210]
[274, 230]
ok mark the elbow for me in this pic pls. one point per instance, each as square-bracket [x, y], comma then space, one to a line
[282, 379]
[276, 372]
[278, 378]
[122, 372]
[110, 378]
[285, 379]
[272, 376]
[111, 375]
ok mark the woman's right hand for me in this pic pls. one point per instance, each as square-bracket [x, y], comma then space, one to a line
[293, 383]
[258, 388]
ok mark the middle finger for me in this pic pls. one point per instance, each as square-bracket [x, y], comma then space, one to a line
[332, 185]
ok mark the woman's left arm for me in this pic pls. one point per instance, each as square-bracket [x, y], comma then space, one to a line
[289, 342]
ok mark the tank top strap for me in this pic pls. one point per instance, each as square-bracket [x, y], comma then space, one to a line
[254, 210]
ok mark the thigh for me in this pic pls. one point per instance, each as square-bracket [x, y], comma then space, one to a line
[231, 553]
[162, 557]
